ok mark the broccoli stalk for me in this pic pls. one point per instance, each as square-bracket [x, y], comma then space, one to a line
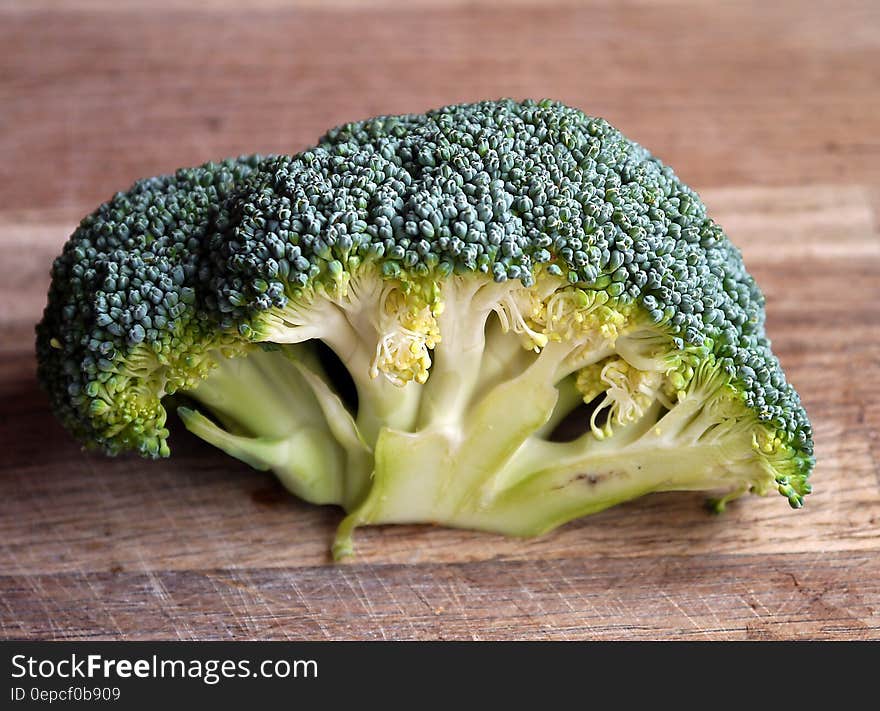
[479, 271]
[278, 413]
[470, 447]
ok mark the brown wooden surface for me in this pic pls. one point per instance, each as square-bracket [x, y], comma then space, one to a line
[771, 110]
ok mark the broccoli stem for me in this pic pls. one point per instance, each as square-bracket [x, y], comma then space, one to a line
[347, 322]
[457, 357]
[279, 413]
[308, 462]
[564, 490]
[504, 354]
[244, 394]
[358, 465]
[569, 398]
[383, 404]
[428, 475]
[546, 484]
[445, 468]
[476, 352]
[495, 470]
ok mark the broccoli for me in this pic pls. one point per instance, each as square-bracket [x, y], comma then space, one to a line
[402, 319]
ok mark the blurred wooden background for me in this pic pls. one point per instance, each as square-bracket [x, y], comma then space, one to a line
[770, 109]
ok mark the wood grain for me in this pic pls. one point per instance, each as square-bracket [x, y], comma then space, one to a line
[601, 598]
[772, 111]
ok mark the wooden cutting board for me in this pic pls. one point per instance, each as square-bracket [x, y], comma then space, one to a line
[771, 110]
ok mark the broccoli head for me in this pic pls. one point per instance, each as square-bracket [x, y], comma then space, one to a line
[399, 319]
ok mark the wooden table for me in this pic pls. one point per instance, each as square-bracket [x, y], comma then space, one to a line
[771, 110]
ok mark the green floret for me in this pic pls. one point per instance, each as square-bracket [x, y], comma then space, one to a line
[403, 319]
[123, 326]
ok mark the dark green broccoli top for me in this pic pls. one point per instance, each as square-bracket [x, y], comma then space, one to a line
[123, 301]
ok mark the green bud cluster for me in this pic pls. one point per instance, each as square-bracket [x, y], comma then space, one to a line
[123, 325]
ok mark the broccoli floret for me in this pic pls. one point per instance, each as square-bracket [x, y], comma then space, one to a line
[398, 320]
[122, 328]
